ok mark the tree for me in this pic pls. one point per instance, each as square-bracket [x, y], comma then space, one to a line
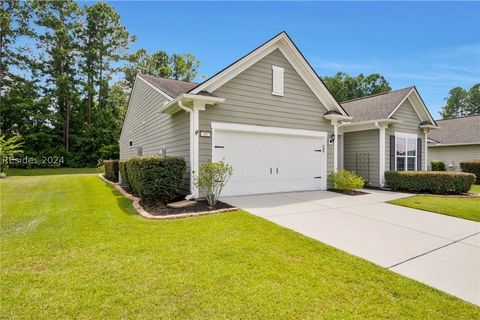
[460, 103]
[8, 148]
[58, 23]
[105, 42]
[473, 100]
[345, 87]
[160, 64]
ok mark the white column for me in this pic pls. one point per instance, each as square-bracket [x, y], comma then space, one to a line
[381, 154]
[335, 146]
[197, 106]
[426, 150]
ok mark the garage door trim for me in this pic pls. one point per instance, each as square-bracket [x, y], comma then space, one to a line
[224, 126]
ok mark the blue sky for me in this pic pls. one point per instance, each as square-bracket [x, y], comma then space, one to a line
[433, 45]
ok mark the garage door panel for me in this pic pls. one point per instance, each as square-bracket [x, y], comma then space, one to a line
[292, 159]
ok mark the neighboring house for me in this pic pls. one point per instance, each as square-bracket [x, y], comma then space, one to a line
[271, 117]
[457, 139]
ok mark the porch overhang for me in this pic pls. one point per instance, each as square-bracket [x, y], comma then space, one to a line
[189, 99]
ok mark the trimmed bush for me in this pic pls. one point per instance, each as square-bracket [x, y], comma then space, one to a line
[438, 182]
[111, 169]
[347, 180]
[438, 166]
[122, 168]
[471, 166]
[156, 179]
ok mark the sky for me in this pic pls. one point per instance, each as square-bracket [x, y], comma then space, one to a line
[432, 45]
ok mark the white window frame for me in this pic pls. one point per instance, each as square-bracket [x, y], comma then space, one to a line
[407, 136]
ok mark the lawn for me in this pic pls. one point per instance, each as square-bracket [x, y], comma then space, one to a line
[73, 248]
[50, 171]
[466, 208]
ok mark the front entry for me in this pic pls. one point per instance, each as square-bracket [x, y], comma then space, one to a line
[272, 160]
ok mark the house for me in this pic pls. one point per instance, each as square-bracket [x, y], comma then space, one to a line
[270, 116]
[457, 139]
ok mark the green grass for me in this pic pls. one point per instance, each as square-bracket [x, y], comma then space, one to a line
[475, 188]
[73, 248]
[466, 208]
[51, 171]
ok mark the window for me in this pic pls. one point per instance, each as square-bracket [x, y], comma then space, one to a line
[277, 82]
[405, 152]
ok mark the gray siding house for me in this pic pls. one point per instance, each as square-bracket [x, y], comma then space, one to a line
[456, 140]
[271, 117]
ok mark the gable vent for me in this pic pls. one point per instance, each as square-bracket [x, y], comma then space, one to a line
[277, 83]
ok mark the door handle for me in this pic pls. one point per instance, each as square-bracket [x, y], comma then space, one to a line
[277, 170]
[270, 170]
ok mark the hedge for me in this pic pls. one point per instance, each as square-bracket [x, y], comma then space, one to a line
[111, 169]
[155, 179]
[122, 166]
[438, 182]
[438, 166]
[471, 166]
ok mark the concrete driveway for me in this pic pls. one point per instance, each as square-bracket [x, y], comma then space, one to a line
[438, 250]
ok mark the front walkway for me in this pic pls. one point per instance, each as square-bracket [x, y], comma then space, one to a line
[438, 250]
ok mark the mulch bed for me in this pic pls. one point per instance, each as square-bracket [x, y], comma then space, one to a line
[200, 206]
[349, 192]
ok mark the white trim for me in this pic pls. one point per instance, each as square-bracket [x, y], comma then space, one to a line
[265, 129]
[187, 97]
[294, 57]
[452, 144]
[167, 96]
[272, 130]
[407, 136]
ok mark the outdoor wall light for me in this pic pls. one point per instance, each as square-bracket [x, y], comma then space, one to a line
[332, 138]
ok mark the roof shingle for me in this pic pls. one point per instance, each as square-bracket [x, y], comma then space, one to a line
[457, 130]
[173, 88]
[375, 107]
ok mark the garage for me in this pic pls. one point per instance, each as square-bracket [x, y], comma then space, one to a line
[270, 159]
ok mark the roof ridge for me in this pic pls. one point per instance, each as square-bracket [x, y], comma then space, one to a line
[456, 118]
[376, 95]
[163, 78]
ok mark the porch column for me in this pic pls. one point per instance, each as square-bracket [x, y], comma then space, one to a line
[335, 146]
[381, 129]
[197, 106]
[425, 131]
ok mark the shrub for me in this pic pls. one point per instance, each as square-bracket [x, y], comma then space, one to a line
[111, 169]
[8, 149]
[438, 166]
[155, 179]
[437, 182]
[471, 166]
[122, 169]
[213, 176]
[347, 180]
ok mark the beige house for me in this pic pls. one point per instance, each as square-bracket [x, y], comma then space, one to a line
[271, 117]
[456, 140]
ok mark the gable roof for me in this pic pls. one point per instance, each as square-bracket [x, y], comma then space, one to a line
[173, 88]
[284, 43]
[465, 130]
[377, 106]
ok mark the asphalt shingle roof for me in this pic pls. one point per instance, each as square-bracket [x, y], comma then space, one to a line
[173, 88]
[457, 130]
[374, 107]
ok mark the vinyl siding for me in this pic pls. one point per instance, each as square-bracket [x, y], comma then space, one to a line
[449, 154]
[363, 142]
[410, 124]
[249, 100]
[147, 127]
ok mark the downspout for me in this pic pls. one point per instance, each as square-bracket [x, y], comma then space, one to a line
[192, 155]
[381, 153]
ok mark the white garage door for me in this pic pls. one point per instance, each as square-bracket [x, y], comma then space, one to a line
[265, 162]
